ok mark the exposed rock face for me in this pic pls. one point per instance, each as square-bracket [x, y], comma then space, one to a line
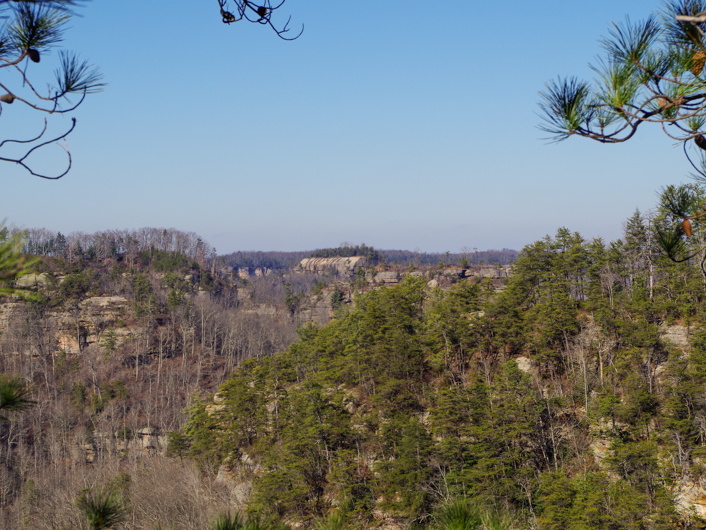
[600, 448]
[319, 309]
[7, 310]
[32, 280]
[346, 266]
[453, 272]
[492, 272]
[678, 335]
[525, 365]
[74, 329]
[108, 307]
[341, 265]
[387, 277]
[252, 272]
[146, 441]
[149, 440]
[690, 498]
[238, 479]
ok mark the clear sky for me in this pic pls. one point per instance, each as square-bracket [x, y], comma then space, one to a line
[400, 124]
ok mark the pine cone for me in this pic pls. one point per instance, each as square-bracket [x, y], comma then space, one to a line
[686, 226]
[700, 141]
[697, 63]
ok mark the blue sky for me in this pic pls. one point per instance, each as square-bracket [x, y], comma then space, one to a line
[386, 123]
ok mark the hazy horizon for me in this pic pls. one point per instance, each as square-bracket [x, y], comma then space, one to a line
[399, 127]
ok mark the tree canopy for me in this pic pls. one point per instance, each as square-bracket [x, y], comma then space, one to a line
[417, 404]
[651, 72]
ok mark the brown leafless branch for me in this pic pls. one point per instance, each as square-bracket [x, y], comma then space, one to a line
[696, 19]
[34, 26]
[22, 161]
[260, 13]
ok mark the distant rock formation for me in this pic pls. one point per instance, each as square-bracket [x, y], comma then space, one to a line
[252, 272]
[341, 265]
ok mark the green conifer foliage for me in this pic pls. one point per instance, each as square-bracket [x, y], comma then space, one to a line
[415, 399]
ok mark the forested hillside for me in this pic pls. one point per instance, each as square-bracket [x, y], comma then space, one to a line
[118, 336]
[122, 330]
[573, 398]
[571, 395]
[277, 261]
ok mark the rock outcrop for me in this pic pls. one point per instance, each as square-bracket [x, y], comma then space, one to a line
[74, 329]
[342, 266]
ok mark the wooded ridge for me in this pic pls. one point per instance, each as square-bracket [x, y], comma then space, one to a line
[570, 395]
